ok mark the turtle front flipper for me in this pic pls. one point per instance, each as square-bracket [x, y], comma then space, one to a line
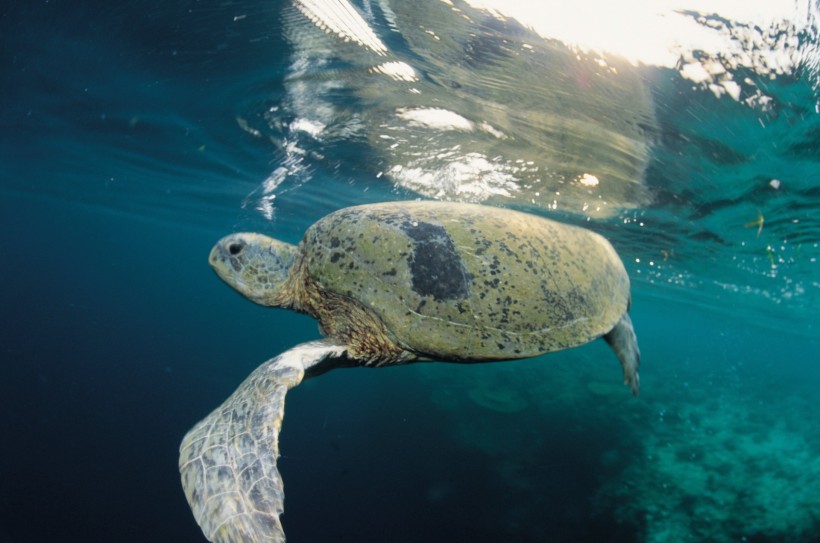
[623, 341]
[228, 460]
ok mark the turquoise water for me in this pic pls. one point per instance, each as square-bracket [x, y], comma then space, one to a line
[134, 137]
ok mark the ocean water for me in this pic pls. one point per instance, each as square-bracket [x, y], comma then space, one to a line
[133, 136]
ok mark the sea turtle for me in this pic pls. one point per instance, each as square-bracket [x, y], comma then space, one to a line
[393, 283]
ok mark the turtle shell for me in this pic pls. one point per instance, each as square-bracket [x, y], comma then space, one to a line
[469, 282]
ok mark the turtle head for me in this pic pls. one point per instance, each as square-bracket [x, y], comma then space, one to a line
[255, 265]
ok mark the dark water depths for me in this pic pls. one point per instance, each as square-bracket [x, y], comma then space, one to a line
[127, 149]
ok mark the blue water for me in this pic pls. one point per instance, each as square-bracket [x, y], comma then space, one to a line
[122, 161]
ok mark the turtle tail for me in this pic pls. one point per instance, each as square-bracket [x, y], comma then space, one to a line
[623, 341]
[228, 460]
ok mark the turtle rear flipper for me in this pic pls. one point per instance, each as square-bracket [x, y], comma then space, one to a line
[623, 341]
[228, 460]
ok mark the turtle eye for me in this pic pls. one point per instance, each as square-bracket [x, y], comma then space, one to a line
[235, 248]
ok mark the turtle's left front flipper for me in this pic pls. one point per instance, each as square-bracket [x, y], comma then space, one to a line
[228, 460]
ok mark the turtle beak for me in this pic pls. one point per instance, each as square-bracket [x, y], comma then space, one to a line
[225, 258]
[216, 256]
[228, 250]
[219, 259]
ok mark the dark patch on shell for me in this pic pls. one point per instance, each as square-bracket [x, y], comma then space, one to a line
[436, 268]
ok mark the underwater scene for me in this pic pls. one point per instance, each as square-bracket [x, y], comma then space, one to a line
[133, 136]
